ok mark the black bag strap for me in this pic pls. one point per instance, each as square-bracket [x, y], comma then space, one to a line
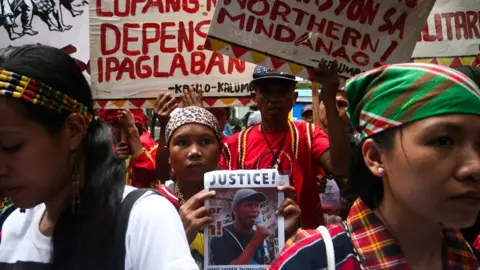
[122, 224]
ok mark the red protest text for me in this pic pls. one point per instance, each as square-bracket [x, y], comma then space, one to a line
[276, 20]
[137, 7]
[459, 25]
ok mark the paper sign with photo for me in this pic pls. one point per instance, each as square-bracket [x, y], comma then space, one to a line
[245, 231]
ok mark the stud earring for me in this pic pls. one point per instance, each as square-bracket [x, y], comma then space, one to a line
[381, 170]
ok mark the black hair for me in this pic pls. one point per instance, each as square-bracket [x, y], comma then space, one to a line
[471, 72]
[361, 181]
[81, 240]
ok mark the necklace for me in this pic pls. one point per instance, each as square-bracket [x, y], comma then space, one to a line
[180, 196]
[275, 161]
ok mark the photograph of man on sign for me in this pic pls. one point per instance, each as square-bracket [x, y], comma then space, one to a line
[242, 242]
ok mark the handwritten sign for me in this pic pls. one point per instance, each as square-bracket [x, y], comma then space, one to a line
[452, 29]
[289, 35]
[139, 48]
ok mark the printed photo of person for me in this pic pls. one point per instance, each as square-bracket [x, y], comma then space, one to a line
[242, 242]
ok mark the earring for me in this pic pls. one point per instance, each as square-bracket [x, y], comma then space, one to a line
[381, 170]
[75, 186]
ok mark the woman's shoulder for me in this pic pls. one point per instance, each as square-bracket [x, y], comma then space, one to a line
[306, 247]
[149, 201]
[155, 236]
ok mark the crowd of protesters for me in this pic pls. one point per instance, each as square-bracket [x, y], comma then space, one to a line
[389, 178]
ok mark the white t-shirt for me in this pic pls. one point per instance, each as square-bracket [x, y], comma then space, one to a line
[155, 238]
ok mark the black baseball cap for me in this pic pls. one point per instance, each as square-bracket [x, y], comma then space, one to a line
[261, 74]
[248, 195]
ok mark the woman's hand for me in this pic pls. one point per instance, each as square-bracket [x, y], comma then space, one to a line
[132, 135]
[122, 150]
[164, 107]
[191, 98]
[290, 210]
[126, 119]
[194, 214]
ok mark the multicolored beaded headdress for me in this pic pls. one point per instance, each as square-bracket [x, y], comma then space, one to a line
[35, 92]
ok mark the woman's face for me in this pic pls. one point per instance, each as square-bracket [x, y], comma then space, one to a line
[434, 169]
[194, 150]
[33, 162]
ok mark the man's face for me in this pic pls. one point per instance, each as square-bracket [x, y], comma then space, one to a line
[275, 99]
[308, 117]
[246, 212]
[342, 104]
[222, 115]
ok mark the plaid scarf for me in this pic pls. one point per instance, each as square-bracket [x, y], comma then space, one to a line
[394, 95]
[377, 249]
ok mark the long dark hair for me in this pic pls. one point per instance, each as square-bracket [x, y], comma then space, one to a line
[361, 181]
[82, 240]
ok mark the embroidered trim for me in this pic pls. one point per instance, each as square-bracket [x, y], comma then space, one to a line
[242, 143]
[242, 147]
[227, 155]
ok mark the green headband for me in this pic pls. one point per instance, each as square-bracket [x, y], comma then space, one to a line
[394, 95]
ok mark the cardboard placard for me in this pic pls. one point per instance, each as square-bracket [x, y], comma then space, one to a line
[139, 48]
[452, 30]
[290, 35]
[58, 23]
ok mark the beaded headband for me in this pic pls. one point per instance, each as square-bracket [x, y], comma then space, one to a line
[35, 92]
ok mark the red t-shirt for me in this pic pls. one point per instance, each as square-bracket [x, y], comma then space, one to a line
[302, 146]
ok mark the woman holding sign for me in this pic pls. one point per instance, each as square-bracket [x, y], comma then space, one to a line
[194, 139]
[416, 175]
[57, 163]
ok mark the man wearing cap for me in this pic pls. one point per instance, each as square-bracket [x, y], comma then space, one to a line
[240, 243]
[307, 114]
[294, 148]
[133, 143]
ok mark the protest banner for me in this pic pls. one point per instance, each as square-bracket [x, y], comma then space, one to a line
[243, 212]
[139, 48]
[290, 35]
[58, 23]
[451, 36]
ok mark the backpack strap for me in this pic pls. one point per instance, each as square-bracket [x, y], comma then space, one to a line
[122, 224]
[330, 250]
